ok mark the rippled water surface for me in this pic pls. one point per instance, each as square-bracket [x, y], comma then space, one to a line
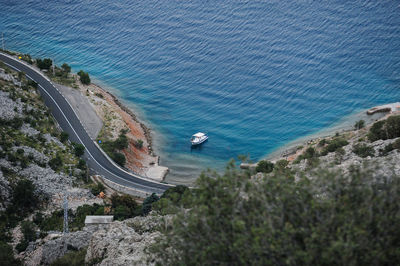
[254, 75]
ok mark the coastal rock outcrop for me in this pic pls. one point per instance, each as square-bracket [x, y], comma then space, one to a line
[124, 243]
[9, 108]
[56, 245]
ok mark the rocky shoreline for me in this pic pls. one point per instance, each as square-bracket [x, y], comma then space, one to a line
[146, 130]
[105, 117]
[345, 126]
[116, 117]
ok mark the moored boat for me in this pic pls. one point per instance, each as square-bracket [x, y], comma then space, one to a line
[198, 138]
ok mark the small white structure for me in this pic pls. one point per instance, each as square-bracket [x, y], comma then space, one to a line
[198, 138]
[98, 219]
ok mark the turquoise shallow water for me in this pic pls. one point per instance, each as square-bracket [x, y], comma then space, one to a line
[254, 75]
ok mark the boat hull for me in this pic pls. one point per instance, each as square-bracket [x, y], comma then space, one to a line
[195, 143]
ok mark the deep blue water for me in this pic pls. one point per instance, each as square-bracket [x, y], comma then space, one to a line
[254, 75]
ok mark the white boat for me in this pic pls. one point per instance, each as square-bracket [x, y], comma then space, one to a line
[198, 138]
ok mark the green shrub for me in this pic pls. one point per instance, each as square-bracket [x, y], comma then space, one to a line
[121, 213]
[38, 218]
[171, 200]
[66, 68]
[24, 163]
[312, 162]
[56, 163]
[64, 136]
[359, 124]
[27, 58]
[339, 153]
[147, 203]
[363, 150]
[111, 147]
[22, 245]
[28, 230]
[97, 188]
[99, 211]
[139, 144]
[388, 148]
[41, 138]
[24, 198]
[84, 77]
[82, 164]
[264, 166]
[393, 126]
[32, 83]
[376, 132]
[7, 255]
[108, 147]
[281, 164]
[119, 158]
[322, 142]
[334, 145]
[121, 142]
[54, 222]
[99, 95]
[309, 153]
[396, 144]
[124, 206]
[79, 149]
[385, 129]
[176, 193]
[17, 122]
[44, 64]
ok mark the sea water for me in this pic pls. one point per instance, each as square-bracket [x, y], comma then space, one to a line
[254, 75]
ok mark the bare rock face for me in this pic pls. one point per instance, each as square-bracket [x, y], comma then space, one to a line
[124, 243]
[58, 247]
[149, 223]
[9, 109]
[46, 180]
[45, 251]
[38, 156]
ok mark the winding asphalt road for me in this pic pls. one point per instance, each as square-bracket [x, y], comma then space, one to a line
[70, 123]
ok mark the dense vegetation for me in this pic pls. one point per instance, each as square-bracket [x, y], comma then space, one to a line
[84, 77]
[113, 148]
[6, 255]
[334, 145]
[24, 201]
[363, 150]
[265, 166]
[330, 220]
[359, 124]
[385, 129]
[44, 64]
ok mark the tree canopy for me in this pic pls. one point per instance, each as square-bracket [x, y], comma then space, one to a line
[79, 150]
[66, 68]
[44, 64]
[84, 77]
[333, 219]
[385, 129]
